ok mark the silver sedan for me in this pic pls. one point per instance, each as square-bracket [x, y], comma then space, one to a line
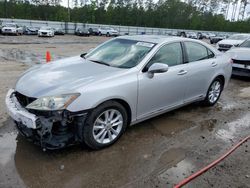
[92, 98]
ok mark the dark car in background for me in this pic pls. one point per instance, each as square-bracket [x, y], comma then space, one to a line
[82, 32]
[93, 31]
[1, 27]
[30, 30]
[214, 40]
[181, 34]
[59, 31]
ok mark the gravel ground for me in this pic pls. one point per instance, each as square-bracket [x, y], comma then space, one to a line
[156, 153]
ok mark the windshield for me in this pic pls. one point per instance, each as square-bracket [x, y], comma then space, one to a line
[239, 37]
[122, 53]
[46, 28]
[245, 44]
[10, 25]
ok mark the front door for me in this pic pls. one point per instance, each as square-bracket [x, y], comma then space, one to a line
[163, 90]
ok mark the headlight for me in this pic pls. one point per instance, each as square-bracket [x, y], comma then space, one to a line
[53, 102]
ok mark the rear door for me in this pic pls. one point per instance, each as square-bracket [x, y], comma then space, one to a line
[201, 67]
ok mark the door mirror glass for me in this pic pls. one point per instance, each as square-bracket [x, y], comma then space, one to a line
[158, 68]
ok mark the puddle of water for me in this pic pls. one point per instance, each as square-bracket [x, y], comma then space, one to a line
[178, 172]
[208, 124]
[133, 153]
[169, 159]
[169, 126]
[7, 148]
[229, 131]
[245, 93]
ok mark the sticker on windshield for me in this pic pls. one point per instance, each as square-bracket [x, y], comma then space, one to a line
[145, 44]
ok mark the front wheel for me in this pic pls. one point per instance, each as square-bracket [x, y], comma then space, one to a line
[214, 92]
[105, 125]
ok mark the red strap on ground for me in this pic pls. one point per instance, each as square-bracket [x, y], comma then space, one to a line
[188, 179]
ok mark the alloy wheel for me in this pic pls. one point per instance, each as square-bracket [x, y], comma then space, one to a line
[107, 126]
[214, 91]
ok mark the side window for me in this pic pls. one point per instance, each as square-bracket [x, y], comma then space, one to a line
[170, 54]
[210, 53]
[197, 52]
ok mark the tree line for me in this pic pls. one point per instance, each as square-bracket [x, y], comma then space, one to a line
[174, 14]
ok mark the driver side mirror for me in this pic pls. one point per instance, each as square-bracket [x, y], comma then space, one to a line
[157, 68]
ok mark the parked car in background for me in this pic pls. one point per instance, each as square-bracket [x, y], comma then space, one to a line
[46, 32]
[93, 31]
[192, 35]
[202, 35]
[1, 27]
[59, 31]
[210, 35]
[30, 30]
[82, 32]
[241, 59]
[108, 31]
[199, 35]
[233, 40]
[181, 34]
[92, 98]
[214, 40]
[12, 29]
[172, 33]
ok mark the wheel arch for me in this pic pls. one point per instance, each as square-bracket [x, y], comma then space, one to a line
[222, 78]
[124, 103]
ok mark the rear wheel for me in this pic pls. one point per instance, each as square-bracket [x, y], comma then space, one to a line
[105, 125]
[214, 92]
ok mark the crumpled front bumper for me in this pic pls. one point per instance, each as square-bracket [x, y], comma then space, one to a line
[17, 112]
[48, 129]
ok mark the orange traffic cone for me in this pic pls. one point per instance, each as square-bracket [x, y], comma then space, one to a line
[48, 56]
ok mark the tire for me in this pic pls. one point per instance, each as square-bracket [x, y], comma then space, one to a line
[213, 94]
[108, 35]
[97, 132]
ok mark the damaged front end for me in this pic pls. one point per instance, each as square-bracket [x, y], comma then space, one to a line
[48, 129]
[55, 130]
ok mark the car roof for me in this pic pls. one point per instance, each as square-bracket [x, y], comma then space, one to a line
[154, 38]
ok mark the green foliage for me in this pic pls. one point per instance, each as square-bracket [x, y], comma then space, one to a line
[176, 14]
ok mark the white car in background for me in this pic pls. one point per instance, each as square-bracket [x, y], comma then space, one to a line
[108, 31]
[241, 59]
[233, 40]
[46, 32]
[192, 35]
[12, 28]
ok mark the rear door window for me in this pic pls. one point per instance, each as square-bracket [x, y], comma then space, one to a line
[197, 52]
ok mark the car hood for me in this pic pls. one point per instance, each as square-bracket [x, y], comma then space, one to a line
[229, 41]
[239, 53]
[63, 76]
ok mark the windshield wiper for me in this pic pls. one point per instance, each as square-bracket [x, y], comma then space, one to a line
[100, 62]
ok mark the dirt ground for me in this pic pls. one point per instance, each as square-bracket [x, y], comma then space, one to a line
[159, 152]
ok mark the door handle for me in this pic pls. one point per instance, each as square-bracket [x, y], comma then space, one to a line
[214, 64]
[182, 72]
